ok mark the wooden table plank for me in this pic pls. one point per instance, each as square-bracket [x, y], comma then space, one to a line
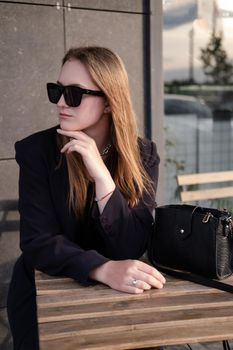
[72, 316]
[138, 338]
[95, 325]
[61, 296]
[124, 308]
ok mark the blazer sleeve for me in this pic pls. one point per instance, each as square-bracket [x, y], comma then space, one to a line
[41, 240]
[125, 230]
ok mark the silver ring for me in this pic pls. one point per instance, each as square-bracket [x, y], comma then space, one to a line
[134, 282]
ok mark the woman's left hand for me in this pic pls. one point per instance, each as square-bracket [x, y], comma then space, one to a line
[131, 276]
[86, 147]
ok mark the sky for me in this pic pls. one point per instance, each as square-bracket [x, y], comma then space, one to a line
[183, 17]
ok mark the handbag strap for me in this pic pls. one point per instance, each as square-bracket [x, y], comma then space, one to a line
[196, 279]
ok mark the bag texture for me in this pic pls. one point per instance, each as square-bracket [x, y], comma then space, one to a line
[195, 239]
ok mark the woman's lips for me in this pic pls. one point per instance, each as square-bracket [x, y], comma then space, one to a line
[64, 116]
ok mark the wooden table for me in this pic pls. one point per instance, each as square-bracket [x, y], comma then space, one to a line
[72, 316]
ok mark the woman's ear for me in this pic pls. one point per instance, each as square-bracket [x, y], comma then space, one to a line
[107, 109]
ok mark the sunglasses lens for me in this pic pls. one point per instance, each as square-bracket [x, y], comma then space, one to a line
[54, 92]
[73, 96]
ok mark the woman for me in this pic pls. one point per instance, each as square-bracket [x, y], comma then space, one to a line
[86, 190]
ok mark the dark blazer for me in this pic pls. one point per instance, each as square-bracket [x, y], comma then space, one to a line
[52, 239]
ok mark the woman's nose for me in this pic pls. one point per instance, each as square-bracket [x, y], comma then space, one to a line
[62, 102]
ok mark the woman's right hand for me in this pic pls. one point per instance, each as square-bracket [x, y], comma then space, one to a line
[131, 276]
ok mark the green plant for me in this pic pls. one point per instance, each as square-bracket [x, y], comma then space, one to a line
[179, 165]
[223, 204]
[216, 65]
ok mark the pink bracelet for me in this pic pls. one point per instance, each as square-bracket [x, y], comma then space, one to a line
[106, 195]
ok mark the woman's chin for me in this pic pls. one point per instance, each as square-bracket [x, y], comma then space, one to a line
[68, 126]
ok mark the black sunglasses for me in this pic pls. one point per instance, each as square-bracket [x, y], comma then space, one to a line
[72, 94]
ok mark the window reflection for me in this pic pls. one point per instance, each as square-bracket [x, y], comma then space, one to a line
[198, 73]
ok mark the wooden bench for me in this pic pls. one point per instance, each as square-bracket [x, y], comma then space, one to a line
[9, 222]
[189, 193]
[6, 224]
[72, 316]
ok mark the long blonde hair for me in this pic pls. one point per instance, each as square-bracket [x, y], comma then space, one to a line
[109, 74]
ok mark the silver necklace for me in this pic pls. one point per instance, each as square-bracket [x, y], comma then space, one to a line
[106, 150]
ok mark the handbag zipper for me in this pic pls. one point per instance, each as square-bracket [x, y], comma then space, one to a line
[206, 218]
[228, 221]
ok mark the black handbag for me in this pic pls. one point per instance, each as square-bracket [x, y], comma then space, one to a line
[193, 243]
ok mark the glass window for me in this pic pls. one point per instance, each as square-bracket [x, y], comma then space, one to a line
[198, 103]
